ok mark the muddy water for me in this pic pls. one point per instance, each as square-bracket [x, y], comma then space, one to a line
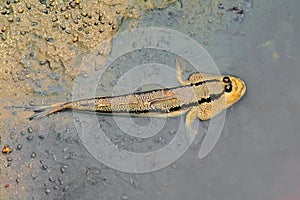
[257, 156]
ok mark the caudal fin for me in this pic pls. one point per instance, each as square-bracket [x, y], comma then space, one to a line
[42, 111]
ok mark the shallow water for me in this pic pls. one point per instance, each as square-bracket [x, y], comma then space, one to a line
[257, 155]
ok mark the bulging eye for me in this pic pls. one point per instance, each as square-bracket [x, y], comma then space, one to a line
[226, 79]
[228, 88]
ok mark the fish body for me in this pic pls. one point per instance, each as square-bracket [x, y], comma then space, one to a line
[202, 96]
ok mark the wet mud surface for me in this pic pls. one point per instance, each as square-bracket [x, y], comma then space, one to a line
[42, 47]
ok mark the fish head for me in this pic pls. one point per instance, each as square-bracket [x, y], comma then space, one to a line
[234, 89]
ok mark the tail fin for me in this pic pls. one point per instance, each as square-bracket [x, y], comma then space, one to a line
[43, 111]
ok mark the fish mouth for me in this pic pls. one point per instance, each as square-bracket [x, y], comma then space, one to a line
[240, 87]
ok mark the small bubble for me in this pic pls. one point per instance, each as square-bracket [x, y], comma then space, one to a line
[30, 130]
[34, 24]
[114, 27]
[33, 155]
[60, 180]
[19, 147]
[101, 30]
[30, 137]
[43, 62]
[62, 26]
[47, 191]
[20, 10]
[67, 16]
[49, 39]
[45, 11]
